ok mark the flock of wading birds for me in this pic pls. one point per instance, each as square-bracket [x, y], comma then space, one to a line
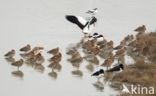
[91, 48]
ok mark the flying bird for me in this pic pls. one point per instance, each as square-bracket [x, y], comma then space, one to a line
[86, 26]
[93, 11]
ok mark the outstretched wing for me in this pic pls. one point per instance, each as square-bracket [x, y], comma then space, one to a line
[79, 21]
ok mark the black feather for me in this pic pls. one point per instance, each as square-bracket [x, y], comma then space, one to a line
[74, 19]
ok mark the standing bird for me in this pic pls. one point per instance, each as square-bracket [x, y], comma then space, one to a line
[117, 68]
[10, 54]
[18, 63]
[100, 38]
[86, 26]
[26, 48]
[140, 29]
[54, 51]
[93, 11]
[97, 73]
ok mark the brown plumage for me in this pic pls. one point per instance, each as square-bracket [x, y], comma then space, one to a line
[27, 55]
[54, 51]
[26, 48]
[140, 29]
[122, 44]
[108, 62]
[56, 58]
[120, 51]
[10, 53]
[76, 57]
[18, 63]
[39, 58]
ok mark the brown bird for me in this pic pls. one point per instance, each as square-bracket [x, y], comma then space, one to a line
[141, 29]
[54, 51]
[120, 51]
[27, 55]
[108, 62]
[18, 63]
[56, 58]
[122, 44]
[10, 54]
[76, 57]
[26, 48]
[37, 50]
[39, 58]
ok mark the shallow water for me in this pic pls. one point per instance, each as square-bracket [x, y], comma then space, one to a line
[42, 23]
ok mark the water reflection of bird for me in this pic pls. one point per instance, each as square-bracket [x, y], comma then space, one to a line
[10, 59]
[39, 67]
[90, 67]
[18, 73]
[55, 66]
[99, 85]
[10, 54]
[26, 48]
[53, 74]
[54, 51]
[18, 63]
[77, 72]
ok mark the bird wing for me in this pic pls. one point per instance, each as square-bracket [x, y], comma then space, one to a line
[79, 21]
[93, 20]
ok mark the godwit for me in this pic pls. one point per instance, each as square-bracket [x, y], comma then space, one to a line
[54, 51]
[26, 48]
[10, 54]
[18, 63]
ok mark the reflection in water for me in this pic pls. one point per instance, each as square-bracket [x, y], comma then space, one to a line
[18, 73]
[76, 65]
[90, 67]
[39, 67]
[77, 72]
[57, 67]
[53, 74]
[92, 59]
[30, 62]
[10, 59]
[99, 85]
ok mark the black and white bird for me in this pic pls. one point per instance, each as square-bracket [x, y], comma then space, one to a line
[98, 73]
[86, 26]
[93, 11]
[98, 37]
[117, 68]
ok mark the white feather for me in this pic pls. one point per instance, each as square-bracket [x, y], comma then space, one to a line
[81, 20]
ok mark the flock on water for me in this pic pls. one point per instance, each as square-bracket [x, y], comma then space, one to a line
[100, 54]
